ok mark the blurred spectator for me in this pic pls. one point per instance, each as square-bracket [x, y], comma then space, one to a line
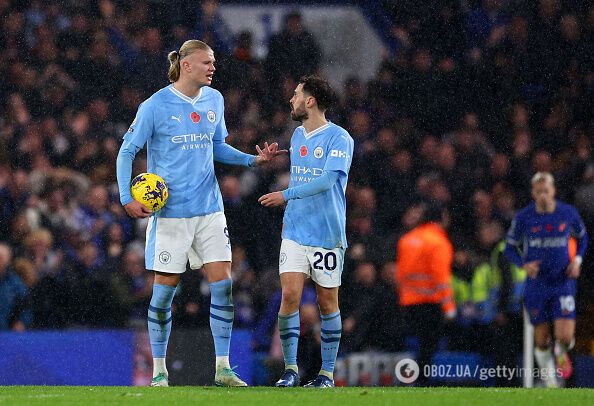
[359, 309]
[131, 288]
[293, 52]
[12, 288]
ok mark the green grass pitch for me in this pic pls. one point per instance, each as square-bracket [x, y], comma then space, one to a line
[85, 395]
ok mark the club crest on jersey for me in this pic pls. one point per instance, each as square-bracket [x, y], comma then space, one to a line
[303, 150]
[562, 227]
[164, 257]
[211, 116]
[318, 152]
[195, 117]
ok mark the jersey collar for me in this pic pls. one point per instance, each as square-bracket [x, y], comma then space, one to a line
[184, 97]
[314, 132]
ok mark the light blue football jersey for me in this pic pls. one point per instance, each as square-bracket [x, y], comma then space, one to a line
[179, 133]
[319, 220]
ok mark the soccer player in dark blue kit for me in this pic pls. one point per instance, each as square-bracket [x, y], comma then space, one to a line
[538, 241]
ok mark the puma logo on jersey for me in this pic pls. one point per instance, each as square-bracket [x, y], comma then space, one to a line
[178, 118]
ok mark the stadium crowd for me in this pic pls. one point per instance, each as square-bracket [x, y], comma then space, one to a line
[471, 99]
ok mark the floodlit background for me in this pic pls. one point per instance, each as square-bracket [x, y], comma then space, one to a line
[459, 101]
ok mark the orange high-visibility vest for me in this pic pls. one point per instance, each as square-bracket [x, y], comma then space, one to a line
[424, 267]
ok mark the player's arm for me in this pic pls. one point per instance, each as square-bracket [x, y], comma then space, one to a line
[512, 242]
[139, 132]
[337, 164]
[321, 184]
[226, 154]
[578, 230]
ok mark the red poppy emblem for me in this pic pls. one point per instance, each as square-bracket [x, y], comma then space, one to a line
[303, 150]
[195, 117]
[549, 228]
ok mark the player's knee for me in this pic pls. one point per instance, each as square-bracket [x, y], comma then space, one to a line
[327, 305]
[291, 297]
[542, 342]
[565, 338]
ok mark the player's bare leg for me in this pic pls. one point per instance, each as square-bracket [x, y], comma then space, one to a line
[168, 279]
[159, 323]
[331, 332]
[218, 275]
[327, 299]
[564, 330]
[289, 325]
[292, 289]
[217, 271]
[544, 354]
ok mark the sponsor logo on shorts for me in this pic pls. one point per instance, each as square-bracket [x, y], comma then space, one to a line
[319, 152]
[283, 258]
[165, 257]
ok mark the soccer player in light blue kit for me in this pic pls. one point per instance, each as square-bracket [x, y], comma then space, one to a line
[183, 126]
[538, 241]
[314, 236]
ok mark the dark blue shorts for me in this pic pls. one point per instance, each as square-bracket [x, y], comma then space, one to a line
[547, 302]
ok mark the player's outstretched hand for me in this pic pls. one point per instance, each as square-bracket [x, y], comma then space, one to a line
[273, 199]
[532, 268]
[573, 269]
[268, 153]
[137, 210]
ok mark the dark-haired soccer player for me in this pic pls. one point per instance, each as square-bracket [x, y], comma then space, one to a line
[314, 236]
[538, 241]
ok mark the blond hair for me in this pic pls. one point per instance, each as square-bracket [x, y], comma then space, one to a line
[542, 177]
[186, 49]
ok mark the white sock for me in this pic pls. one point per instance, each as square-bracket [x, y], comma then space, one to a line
[562, 348]
[159, 367]
[222, 362]
[544, 359]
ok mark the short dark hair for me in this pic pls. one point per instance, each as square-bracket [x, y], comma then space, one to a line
[320, 89]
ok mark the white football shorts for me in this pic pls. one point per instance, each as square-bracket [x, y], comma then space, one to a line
[171, 242]
[322, 265]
